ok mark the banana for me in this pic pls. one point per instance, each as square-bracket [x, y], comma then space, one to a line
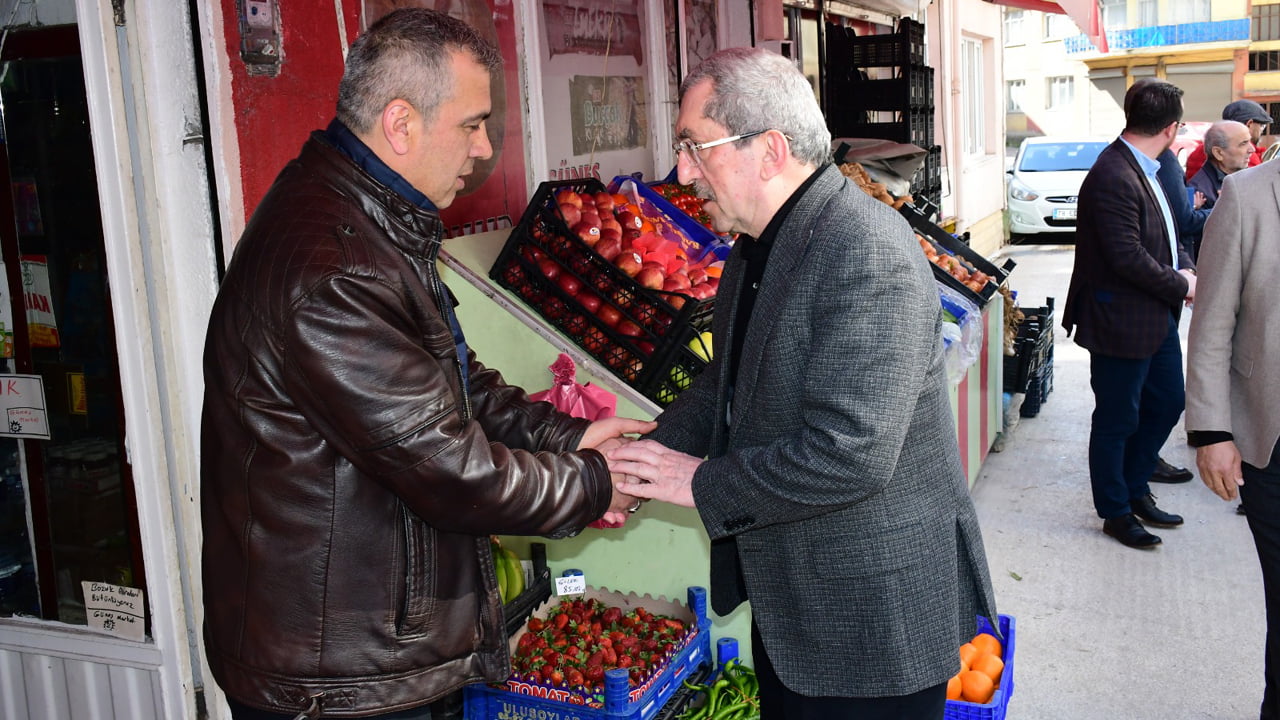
[515, 573]
[499, 569]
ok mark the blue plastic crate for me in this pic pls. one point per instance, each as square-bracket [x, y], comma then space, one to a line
[520, 700]
[999, 705]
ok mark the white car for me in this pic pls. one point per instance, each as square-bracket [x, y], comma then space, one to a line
[1045, 180]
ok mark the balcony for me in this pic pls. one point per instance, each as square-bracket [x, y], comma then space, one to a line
[1164, 36]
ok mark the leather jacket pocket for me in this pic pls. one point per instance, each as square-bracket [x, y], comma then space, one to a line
[419, 576]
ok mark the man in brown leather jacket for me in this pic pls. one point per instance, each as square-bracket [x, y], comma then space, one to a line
[355, 455]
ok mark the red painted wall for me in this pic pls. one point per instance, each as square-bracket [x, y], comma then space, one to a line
[274, 115]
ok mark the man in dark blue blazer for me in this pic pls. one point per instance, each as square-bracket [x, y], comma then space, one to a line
[1130, 280]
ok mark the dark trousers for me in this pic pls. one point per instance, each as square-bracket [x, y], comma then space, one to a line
[1137, 403]
[777, 702]
[1261, 497]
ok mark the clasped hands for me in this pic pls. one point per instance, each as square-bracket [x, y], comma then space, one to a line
[639, 469]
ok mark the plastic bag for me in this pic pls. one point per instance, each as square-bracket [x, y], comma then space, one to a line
[961, 349]
[587, 401]
[590, 402]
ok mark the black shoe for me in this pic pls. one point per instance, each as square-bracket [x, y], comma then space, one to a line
[1145, 508]
[1166, 473]
[1129, 531]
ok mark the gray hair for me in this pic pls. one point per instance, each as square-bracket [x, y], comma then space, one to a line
[1216, 136]
[754, 89]
[406, 55]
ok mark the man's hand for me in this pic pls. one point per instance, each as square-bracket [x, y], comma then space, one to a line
[614, 427]
[1191, 285]
[1199, 201]
[1219, 466]
[621, 506]
[654, 471]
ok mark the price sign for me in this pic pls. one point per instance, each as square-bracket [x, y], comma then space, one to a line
[572, 585]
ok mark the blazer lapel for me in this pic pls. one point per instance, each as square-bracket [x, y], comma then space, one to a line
[788, 252]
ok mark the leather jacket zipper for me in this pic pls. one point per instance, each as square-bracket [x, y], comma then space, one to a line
[442, 297]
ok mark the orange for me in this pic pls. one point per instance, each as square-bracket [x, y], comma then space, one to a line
[988, 643]
[953, 687]
[991, 666]
[976, 687]
[968, 653]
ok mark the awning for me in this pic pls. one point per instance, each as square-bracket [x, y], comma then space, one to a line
[1084, 13]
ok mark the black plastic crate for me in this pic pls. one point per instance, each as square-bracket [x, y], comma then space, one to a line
[911, 89]
[516, 613]
[912, 126]
[650, 324]
[920, 222]
[683, 366]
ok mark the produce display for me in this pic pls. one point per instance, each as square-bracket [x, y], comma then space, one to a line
[858, 174]
[954, 265]
[734, 695]
[682, 197]
[620, 272]
[981, 665]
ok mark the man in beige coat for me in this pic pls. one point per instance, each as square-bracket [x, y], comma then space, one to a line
[1233, 378]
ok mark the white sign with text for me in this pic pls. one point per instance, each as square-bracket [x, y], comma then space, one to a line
[115, 609]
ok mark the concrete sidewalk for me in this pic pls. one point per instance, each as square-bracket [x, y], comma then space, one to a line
[1104, 631]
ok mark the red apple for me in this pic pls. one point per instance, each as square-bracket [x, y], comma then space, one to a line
[676, 301]
[604, 202]
[629, 220]
[677, 281]
[697, 275]
[645, 347]
[591, 216]
[589, 301]
[608, 314]
[571, 197]
[571, 213]
[568, 283]
[629, 263]
[588, 233]
[629, 329]
[611, 232]
[550, 268]
[702, 291]
[609, 248]
[650, 276]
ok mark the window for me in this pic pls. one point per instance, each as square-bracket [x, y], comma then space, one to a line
[974, 120]
[1264, 61]
[1266, 22]
[1189, 11]
[1014, 21]
[1015, 94]
[1114, 15]
[1148, 13]
[1061, 92]
[1058, 26]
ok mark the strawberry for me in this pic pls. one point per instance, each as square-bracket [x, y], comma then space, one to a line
[560, 621]
[535, 625]
[575, 678]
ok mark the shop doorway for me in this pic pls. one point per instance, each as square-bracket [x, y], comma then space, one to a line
[67, 508]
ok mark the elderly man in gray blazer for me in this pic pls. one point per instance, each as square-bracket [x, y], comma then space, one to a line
[818, 446]
[1233, 377]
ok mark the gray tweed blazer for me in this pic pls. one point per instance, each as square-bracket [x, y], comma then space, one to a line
[833, 494]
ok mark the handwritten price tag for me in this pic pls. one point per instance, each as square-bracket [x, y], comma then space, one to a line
[572, 585]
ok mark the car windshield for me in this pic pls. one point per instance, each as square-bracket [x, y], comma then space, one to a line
[1059, 157]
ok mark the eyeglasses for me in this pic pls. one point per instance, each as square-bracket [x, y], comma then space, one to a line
[692, 148]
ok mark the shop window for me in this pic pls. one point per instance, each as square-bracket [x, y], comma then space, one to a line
[1014, 24]
[67, 509]
[1264, 61]
[1061, 92]
[1058, 26]
[1015, 95]
[1266, 22]
[1114, 14]
[973, 72]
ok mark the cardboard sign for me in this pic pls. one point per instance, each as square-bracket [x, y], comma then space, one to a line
[22, 407]
[115, 609]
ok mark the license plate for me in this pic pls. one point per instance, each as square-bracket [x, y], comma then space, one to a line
[1064, 214]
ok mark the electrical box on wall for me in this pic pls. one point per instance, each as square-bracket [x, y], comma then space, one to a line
[260, 36]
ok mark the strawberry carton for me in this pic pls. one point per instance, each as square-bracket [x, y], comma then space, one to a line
[600, 655]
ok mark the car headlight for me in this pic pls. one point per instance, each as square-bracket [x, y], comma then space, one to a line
[1018, 191]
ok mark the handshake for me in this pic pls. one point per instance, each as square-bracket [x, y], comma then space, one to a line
[640, 469]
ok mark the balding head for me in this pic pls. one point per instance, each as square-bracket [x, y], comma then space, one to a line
[1228, 145]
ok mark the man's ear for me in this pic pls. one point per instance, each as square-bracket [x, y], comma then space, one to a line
[397, 119]
[777, 151]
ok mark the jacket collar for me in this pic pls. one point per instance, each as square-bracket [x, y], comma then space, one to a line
[415, 229]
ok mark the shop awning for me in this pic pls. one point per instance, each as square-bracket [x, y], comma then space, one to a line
[1084, 13]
